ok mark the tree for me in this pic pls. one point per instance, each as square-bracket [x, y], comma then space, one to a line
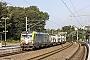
[68, 29]
[36, 20]
[0, 8]
[4, 10]
[36, 17]
[3, 13]
[17, 23]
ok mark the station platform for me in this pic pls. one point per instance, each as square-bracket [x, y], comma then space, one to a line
[9, 46]
[89, 52]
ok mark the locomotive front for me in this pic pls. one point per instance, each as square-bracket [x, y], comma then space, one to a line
[26, 40]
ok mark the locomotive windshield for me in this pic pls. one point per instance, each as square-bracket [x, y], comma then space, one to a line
[27, 36]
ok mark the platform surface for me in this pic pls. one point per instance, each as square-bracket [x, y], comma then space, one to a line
[9, 46]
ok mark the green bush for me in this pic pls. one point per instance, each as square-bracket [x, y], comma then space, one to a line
[10, 41]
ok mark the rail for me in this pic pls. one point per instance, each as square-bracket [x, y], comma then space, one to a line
[76, 51]
[45, 55]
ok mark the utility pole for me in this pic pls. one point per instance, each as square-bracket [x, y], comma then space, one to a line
[77, 16]
[52, 32]
[26, 23]
[5, 28]
[31, 24]
[77, 33]
[71, 20]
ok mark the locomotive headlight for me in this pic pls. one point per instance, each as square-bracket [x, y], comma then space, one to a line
[23, 42]
[29, 42]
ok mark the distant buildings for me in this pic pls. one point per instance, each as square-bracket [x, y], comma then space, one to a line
[86, 27]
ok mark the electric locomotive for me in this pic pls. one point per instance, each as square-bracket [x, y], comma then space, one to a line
[32, 40]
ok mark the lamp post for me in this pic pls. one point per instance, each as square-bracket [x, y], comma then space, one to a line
[77, 33]
[5, 28]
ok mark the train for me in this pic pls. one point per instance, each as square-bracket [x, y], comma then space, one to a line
[35, 40]
[57, 39]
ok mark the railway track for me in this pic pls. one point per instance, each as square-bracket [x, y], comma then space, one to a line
[8, 53]
[79, 54]
[45, 55]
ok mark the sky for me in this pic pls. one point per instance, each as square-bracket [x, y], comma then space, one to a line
[59, 12]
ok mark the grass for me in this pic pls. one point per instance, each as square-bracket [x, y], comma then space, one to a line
[11, 42]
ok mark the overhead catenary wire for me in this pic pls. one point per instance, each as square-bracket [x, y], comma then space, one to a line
[27, 2]
[71, 12]
[8, 3]
[30, 4]
[59, 19]
[82, 9]
[54, 23]
[48, 20]
[56, 18]
[76, 10]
